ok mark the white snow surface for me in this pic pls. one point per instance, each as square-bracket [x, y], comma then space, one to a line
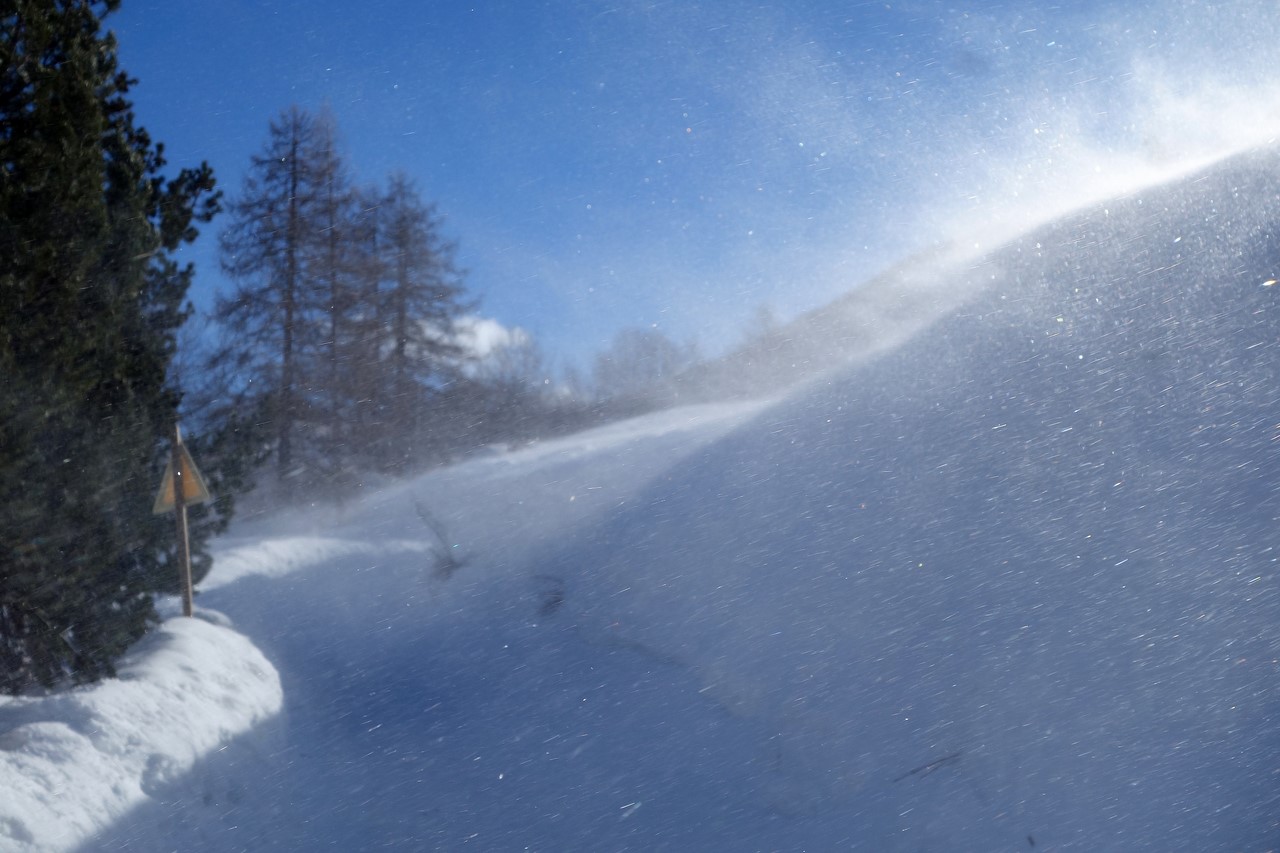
[74, 762]
[1008, 586]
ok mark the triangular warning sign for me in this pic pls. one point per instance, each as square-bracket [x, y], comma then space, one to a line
[194, 490]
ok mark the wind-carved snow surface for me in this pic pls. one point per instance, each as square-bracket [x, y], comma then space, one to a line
[1029, 555]
[1009, 585]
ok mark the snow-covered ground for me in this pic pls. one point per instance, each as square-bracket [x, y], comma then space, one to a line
[381, 654]
[73, 762]
[1010, 585]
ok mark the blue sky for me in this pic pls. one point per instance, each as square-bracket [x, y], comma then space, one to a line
[677, 164]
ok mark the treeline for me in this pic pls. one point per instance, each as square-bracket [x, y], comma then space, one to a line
[345, 343]
[341, 333]
[345, 347]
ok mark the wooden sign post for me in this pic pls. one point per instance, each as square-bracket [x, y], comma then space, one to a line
[180, 487]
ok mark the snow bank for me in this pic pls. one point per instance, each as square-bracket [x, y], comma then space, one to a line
[73, 762]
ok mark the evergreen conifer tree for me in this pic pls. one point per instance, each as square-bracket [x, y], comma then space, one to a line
[90, 301]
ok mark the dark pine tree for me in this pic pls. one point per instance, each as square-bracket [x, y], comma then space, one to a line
[90, 302]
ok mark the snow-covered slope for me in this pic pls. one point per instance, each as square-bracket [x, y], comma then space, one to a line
[1039, 538]
[1009, 585]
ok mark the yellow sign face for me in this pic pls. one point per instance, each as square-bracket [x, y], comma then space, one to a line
[194, 490]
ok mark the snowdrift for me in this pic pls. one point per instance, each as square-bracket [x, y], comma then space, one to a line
[75, 761]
